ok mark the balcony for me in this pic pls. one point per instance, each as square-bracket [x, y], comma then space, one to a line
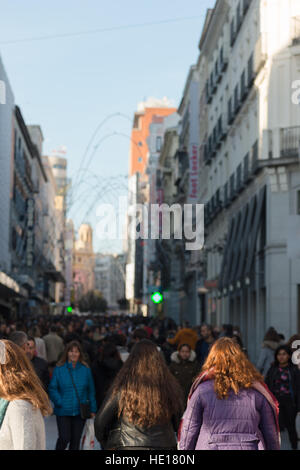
[290, 142]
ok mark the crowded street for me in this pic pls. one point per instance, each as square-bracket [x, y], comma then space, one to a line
[150, 228]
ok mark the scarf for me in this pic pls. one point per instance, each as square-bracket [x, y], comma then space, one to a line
[261, 387]
[3, 407]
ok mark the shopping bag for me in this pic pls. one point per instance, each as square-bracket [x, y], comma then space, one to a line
[298, 425]
[88, 438]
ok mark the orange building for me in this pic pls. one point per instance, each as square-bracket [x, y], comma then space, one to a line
[140, 132]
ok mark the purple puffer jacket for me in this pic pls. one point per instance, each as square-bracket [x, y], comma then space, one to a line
[242, 422]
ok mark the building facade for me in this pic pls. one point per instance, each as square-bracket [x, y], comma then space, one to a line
[110, 278]
[83, 262]
[249, 165]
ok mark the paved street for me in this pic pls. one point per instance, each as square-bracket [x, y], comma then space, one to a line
[51, 435]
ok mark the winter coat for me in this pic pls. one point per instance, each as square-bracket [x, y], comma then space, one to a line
[266, 356]
[117, 434]
[62, 392]
[202, 350]
[23, 427]
[40, 347]
[41, 369]
[242, 422]
[294, 374]
[104, 373]
[185, 336]
[184, 371]
[54, 347]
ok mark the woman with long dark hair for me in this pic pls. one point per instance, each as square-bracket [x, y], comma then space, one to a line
[229, 406]
[72, 386]
[283, 379]
[144, 405]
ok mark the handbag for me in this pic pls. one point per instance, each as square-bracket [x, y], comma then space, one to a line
[85, 411]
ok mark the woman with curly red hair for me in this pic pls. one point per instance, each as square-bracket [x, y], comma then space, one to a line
[229, 406]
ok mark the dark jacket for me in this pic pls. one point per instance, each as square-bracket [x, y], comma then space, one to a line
[184, 371]
[104, 373]
[114, 433]
[294, 373]
[41, 369]
[202, 350]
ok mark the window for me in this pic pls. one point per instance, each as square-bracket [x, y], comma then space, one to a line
[232, 33]
[230, 113]
[158, 144]
[243, 85]
[238, 17]
[250, 71]
[140, 160]
[236, 99]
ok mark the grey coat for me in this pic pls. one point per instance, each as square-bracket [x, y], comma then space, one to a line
[266, 356]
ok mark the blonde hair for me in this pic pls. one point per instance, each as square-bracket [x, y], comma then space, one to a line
[18, 380]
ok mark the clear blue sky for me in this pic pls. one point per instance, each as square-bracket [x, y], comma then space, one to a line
[69, 85]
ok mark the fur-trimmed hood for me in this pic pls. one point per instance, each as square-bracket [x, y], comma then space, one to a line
[175, 357]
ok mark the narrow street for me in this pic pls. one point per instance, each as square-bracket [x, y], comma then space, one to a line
[51, 435]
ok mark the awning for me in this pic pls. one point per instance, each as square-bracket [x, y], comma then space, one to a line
[55, 276]
[10, 288]
[240, 247]
[244, 244]
[254, 233]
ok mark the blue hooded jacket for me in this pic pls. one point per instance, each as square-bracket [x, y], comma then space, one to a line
[62, 392]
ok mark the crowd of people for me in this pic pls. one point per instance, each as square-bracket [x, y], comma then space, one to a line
[147, 383]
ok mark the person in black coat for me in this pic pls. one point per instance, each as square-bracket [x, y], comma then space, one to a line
[104, 370]
[40, 365]
[283, 379]
[204, 344]
[143, 408]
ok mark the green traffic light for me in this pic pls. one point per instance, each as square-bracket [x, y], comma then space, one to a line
[157, 298]
[69, 310]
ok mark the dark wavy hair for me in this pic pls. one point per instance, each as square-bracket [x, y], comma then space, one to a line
[69, 346]
[148, 393]
[287, 349]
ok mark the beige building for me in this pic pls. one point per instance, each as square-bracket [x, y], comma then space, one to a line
[83, 262]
